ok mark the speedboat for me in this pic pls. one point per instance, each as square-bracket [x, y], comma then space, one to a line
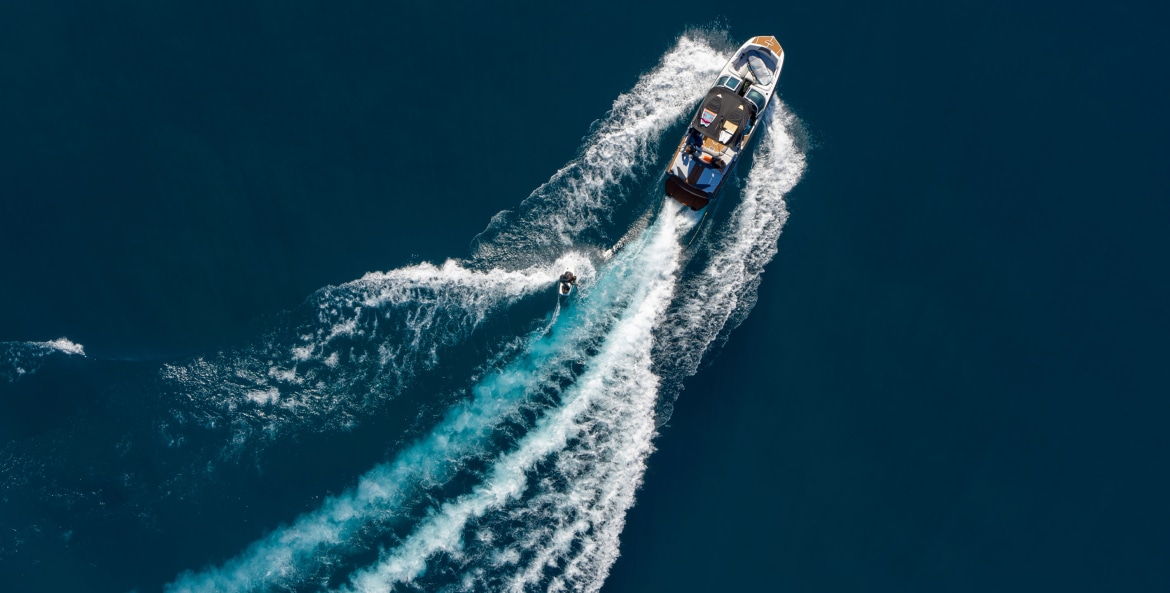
[725, 123]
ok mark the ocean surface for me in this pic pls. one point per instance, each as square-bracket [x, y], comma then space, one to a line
[278, 309]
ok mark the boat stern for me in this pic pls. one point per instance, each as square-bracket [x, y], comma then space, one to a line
[685, 193]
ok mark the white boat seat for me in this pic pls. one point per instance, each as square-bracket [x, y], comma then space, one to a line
[759, 67]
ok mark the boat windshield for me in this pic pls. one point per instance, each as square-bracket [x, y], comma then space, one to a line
[756, 98]
[728, 81]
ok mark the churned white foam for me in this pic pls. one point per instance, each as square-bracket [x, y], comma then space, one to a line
[18, 359]
[570, 207]
[64, 345]
[362, 342]
[431, 291]
[264, 396]
[599, 434]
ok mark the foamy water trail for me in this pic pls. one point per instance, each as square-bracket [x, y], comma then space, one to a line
[18, 359]
[361, 344]
[570, 207]
[594, 415]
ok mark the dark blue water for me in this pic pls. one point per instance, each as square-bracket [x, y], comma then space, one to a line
[951, 379]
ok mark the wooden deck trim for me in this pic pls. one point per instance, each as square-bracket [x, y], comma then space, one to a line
[714, 145]
[769, 42]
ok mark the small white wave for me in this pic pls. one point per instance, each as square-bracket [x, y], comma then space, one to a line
[18, 359]
[64, 345]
